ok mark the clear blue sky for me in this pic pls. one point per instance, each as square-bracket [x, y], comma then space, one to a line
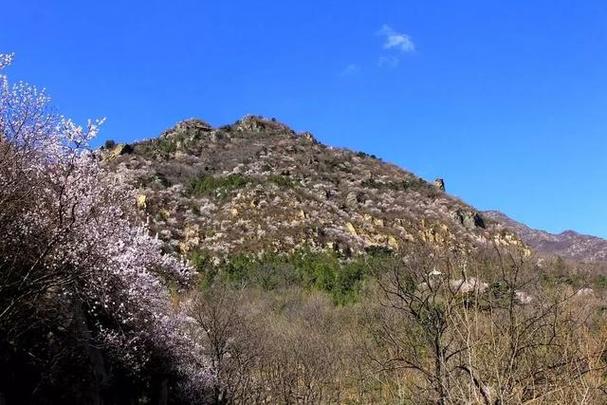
[507, 100]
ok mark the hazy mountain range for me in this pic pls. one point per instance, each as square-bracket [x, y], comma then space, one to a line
[568, 244]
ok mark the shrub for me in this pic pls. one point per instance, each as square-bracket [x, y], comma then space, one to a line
[322, 271]
[601, 281]
[416, 184]
[282, 181]
[166, 146]
[207, 185]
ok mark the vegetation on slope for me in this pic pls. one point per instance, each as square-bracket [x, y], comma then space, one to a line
[425, 327]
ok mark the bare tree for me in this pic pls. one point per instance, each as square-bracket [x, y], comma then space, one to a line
[461, 329]
[230, 342]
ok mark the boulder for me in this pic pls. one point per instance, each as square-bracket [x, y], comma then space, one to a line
[117, 150]
[350, 228]
[142, 201]
[351, 199]
[584, 292]
[522, 297]
[308, 137]
[464, 286]
[392, 242]
[469, 219]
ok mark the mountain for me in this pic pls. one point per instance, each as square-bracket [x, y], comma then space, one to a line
[568, 245]
[258, 186]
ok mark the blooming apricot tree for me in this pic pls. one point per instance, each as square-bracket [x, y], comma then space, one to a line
[69, 254]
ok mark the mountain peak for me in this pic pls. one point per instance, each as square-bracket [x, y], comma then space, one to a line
[260, 124]
[189, 125]
[206, 187]
[569, 233]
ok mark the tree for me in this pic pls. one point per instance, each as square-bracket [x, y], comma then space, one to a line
[78, 282]
[462, 329]
[231, 343]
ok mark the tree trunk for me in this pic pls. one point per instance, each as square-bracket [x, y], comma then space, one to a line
[94, 394]
[160, 387]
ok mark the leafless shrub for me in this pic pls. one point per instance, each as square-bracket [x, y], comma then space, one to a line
[440, 343]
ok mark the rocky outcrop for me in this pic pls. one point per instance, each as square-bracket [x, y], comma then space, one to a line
[141, 201]
[259, 124]
[440, 184]
[469, 219]
[188, 126]
[308, 137]
[116, 150]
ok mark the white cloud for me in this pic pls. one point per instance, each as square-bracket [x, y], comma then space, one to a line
[350, 70]
[396, 40]
[388, 61]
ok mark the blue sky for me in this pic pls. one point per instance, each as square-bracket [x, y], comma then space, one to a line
[507, 100]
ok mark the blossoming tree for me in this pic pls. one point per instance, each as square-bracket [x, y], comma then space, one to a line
[81, 288]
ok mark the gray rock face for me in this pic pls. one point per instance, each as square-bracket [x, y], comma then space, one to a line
[259, 124]
[351, 200]
[308, 137]
[440, 184]
[469, 219]
[117, 150]
[192, 125]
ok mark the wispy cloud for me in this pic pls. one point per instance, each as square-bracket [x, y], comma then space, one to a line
[395, 44]
[350, 70]
[388, 61]
[396, 40]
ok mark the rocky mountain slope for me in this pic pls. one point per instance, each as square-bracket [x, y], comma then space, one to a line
[257, 186]
[568, 245]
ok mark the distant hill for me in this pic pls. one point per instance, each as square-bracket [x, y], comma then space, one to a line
[568, 245]
[257, 186]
